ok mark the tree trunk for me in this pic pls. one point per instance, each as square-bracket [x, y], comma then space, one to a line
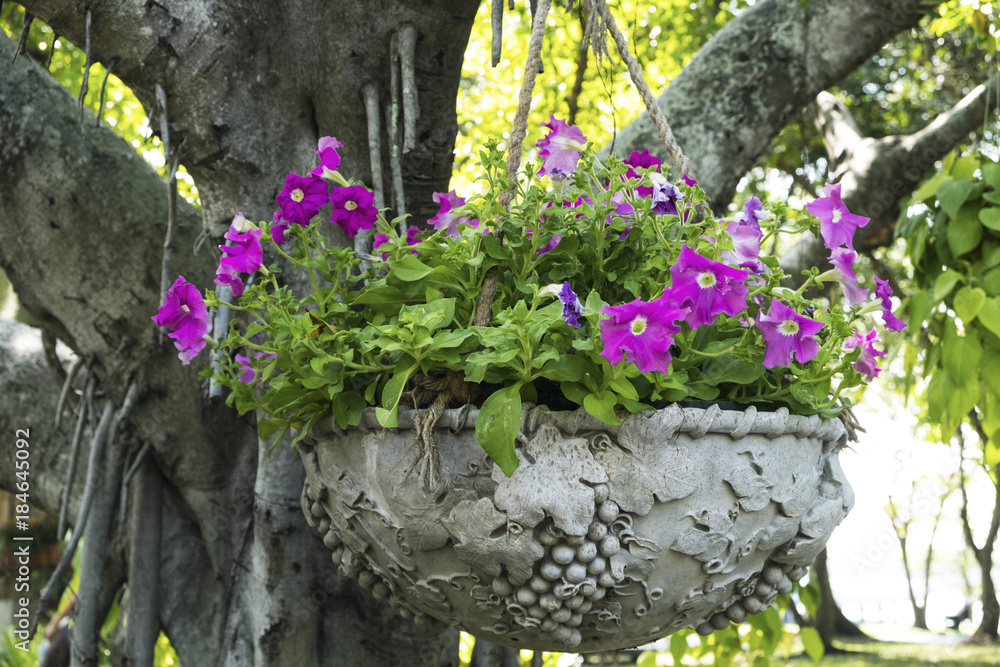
[830, 620]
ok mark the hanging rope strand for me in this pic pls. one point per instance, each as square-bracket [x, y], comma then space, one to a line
[635, 71]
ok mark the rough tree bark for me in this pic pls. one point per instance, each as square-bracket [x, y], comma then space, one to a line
[251, 86]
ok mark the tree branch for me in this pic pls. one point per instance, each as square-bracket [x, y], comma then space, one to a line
[759, 70]
[876, 174]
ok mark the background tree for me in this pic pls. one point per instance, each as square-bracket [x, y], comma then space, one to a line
[903, 512]
[239, 93]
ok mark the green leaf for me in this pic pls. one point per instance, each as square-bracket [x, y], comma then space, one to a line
[960, 356]
[567, 368]
[678, 647]
[625, 389]
[968, 302]
[391, 393]
[991, 360]
[930, 186]
[498, 424]
[602, 406]
[965, 167]
[812, 643]
[991, 281]
[989, 315]
[731, 369]
[348, 408]
[991, 174]
[945, 282]
[990, 217]
[647, 659]
[952, 194]
[964, 231]
[409, 268]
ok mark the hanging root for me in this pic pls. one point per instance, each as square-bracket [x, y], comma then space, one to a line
[851, 424]
[28, 18]
[439, 391]
[496, 18]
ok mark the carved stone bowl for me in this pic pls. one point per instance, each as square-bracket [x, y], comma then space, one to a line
[605, 537]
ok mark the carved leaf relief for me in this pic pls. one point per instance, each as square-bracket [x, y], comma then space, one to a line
[550, 482]
[483, 541]
[664, 473]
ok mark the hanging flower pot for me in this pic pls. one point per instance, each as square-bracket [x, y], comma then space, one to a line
[598, 287]
[604, 537]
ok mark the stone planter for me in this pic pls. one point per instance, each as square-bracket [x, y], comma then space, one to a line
[604, 537]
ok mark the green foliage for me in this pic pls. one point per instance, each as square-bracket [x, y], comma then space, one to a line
[954, 312]
[339, 350]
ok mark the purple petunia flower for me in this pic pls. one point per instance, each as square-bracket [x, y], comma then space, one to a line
[353, 208]
[707, 287]
[279, 230]
[867, 363]
[549, 245]
[644, 160]
[665, 195]
[644, 330]
[378, 240]
[560, 148]
[884, 292]
[301, 198]
[688, 181]
[247, 373]
[413, 238]
[329, 158]
[788, 334]
[224, 276]
[246, 256]
[842, 259]
[572, 308]
[448, 218]
[185, 313]
[836, 224]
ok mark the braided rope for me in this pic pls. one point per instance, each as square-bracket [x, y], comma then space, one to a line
[673, 419]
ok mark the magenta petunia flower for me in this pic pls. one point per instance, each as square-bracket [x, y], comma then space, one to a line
[448, 218]
[572, 308]
[836, 224]
[746, 246]
[842, 259]
[688, 181]
[301, 198]
[753, 212]
[787, 334]
[279, 230]
[644, 330]
[867, 363]
[246, 255]
[707, 288]
[329, 158]
[353, 208]
[413, 237]
[380, 239]
[665, 195]
[560, 148]
[884, 293]
[224, 276]
[247, 373]
[549, 245]
[644, 160]
[185, 314]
